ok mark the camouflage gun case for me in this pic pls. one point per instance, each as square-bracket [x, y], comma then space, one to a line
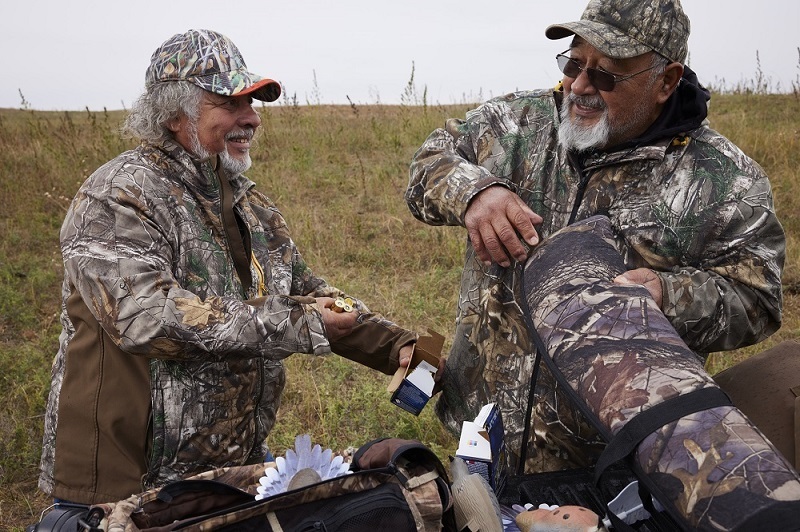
[647, 393]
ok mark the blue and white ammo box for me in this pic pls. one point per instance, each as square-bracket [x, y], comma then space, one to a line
[482, 446]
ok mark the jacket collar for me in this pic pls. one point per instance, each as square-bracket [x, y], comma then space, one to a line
[202, 174]
[685, 110]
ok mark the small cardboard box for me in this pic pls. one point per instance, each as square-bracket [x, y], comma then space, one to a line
[482, 446]
[412, 386]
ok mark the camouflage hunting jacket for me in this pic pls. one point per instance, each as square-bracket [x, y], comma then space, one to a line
[169, 361]
[689, 205]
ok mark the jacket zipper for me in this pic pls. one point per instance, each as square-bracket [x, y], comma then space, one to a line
[260, 286]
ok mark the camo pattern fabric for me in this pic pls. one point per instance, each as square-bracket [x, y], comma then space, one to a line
[627, 28]
[143, 244]
[120, 516]
[694, 208]
[145, 511]
[209, 60]
[616, 349]
[137, 512]
[423, 500]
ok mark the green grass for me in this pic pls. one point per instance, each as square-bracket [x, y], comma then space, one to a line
[338, 173]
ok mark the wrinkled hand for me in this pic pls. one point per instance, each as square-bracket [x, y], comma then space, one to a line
[337, 324]
[495, 220]
[645, 277]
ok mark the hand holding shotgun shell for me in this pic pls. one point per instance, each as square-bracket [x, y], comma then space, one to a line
[342, 304]
[338, 316]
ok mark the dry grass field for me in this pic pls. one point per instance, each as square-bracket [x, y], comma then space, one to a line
[338, 173]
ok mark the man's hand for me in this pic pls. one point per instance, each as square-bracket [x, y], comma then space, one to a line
[405, 355]
[337, 324]
[495, 220]
[437, 378]
[645, 277]
[405, 359]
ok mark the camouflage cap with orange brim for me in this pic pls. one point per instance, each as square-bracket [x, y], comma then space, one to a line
[211, 61]
[626, 28]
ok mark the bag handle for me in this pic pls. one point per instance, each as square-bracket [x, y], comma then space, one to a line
[385, 452]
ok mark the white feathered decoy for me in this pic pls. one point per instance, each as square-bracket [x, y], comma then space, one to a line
[300, 467]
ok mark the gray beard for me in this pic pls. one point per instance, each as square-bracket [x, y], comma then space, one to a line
[231, 165]
[574, 136]
[235, 166]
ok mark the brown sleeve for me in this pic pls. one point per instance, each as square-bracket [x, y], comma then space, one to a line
[374, 345]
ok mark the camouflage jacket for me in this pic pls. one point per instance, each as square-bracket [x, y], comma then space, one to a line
[168, 363]
[691, 206]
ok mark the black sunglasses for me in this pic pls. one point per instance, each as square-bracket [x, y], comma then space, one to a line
[600, 79]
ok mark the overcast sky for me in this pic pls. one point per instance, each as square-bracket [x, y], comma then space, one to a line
[67, 55]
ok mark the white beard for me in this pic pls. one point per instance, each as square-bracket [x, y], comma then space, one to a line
[230, 164]
[575, 136]
[235, 166]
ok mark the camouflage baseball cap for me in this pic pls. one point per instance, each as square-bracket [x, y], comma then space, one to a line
[212, 62]
[627, 28]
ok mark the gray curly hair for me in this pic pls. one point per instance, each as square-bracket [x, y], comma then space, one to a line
[160, 103]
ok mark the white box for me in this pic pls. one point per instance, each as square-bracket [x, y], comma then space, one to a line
[482, 446]
[412, 386]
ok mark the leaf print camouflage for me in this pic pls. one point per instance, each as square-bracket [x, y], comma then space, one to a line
[209, 60]
[697, 211]
[627, 28]
[151, 282]
[197, 313]
[620, 354]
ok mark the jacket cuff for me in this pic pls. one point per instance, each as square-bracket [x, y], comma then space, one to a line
[374, 345]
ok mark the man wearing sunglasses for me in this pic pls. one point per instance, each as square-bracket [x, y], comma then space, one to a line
[625, 135]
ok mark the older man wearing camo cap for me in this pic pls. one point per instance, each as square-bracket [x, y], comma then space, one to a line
[183, 291]
[624, 134]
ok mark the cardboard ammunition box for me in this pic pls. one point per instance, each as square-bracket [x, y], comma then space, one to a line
[412, 386]
[482, 446]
